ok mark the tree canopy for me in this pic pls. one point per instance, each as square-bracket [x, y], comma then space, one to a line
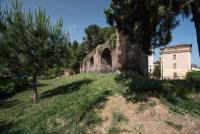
[149, 22]
[95, 35]
[29, 42]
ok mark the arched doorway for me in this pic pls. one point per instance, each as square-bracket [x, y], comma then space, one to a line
[91, 65]
[106, 61]
[85, 66]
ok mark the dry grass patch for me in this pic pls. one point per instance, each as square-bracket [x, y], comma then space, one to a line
[155, 118]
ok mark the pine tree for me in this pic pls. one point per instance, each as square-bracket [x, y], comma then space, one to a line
[31, 43]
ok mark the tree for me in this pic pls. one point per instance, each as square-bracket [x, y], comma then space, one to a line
[107, 32]
[93, 36]
[186, 8]
[31, 43]
[74, 52]
[147, 23]
[96, 35]
[157, 70]
[196, 18]
[191, 6]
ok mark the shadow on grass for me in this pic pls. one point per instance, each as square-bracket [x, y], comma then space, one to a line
[4, 104]
[174, 92]
[74, 86]
[97, 103]
[5, 128]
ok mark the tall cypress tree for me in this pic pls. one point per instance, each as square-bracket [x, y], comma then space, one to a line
[145, 22]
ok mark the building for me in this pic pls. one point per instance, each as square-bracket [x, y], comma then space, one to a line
[175, 61]
[150, 64]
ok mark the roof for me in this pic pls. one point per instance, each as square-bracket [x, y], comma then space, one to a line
[175, 46]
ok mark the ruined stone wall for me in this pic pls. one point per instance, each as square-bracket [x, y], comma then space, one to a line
[118, 57]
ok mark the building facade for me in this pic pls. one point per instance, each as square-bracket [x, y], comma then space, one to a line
[150, 64]
[175, 61]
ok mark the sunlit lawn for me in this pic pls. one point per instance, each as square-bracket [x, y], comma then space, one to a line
[65, 103]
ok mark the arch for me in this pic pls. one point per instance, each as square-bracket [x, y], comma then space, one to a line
[106, 60]
[85, 66]
[91, 62]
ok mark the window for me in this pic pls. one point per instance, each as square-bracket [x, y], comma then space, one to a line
[174, 57]
[174, 65]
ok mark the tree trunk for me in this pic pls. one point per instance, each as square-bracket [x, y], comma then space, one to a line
[196, 18]
[120, 56]
[34, 88]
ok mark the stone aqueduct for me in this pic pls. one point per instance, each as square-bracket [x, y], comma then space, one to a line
[115, 57]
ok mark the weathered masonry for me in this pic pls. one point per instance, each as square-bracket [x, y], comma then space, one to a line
[116, 56]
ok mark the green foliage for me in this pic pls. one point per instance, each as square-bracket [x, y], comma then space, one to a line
[114, 130]
[178, 127]
[145, 105]
[175, 93]
[93, 36]
[149, 28]
[195, 75]
[118, 117]
[29, 42]
[69, 98]
[9, 87]
[91, 118]
[157, 70]
[96, 35]
[76, 54]
[73, 100]
[53, 72]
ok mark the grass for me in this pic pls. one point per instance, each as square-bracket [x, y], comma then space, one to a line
[178, 127]
[70, 98]
[145, 105]
[114, 130]
[118, 117]
[175, 93]
[139, 129]
[67, 103]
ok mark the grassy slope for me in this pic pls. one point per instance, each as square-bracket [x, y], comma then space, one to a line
[64, 103]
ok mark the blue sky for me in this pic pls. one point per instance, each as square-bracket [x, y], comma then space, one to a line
[78, 14]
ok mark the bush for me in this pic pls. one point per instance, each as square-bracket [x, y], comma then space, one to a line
[8, 87]
[53, 72]
[140, 88]
[195, 75]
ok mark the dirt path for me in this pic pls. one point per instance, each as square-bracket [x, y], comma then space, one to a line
[147, 118]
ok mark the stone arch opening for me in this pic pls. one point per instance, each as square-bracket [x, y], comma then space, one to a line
[91, 62]
[106, 60]
[85, 66]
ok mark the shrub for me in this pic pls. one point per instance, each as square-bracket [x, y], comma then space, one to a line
[139, 88]
[194, 75]
[8, 87]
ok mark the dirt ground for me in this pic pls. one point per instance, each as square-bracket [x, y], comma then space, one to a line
[156, 119]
